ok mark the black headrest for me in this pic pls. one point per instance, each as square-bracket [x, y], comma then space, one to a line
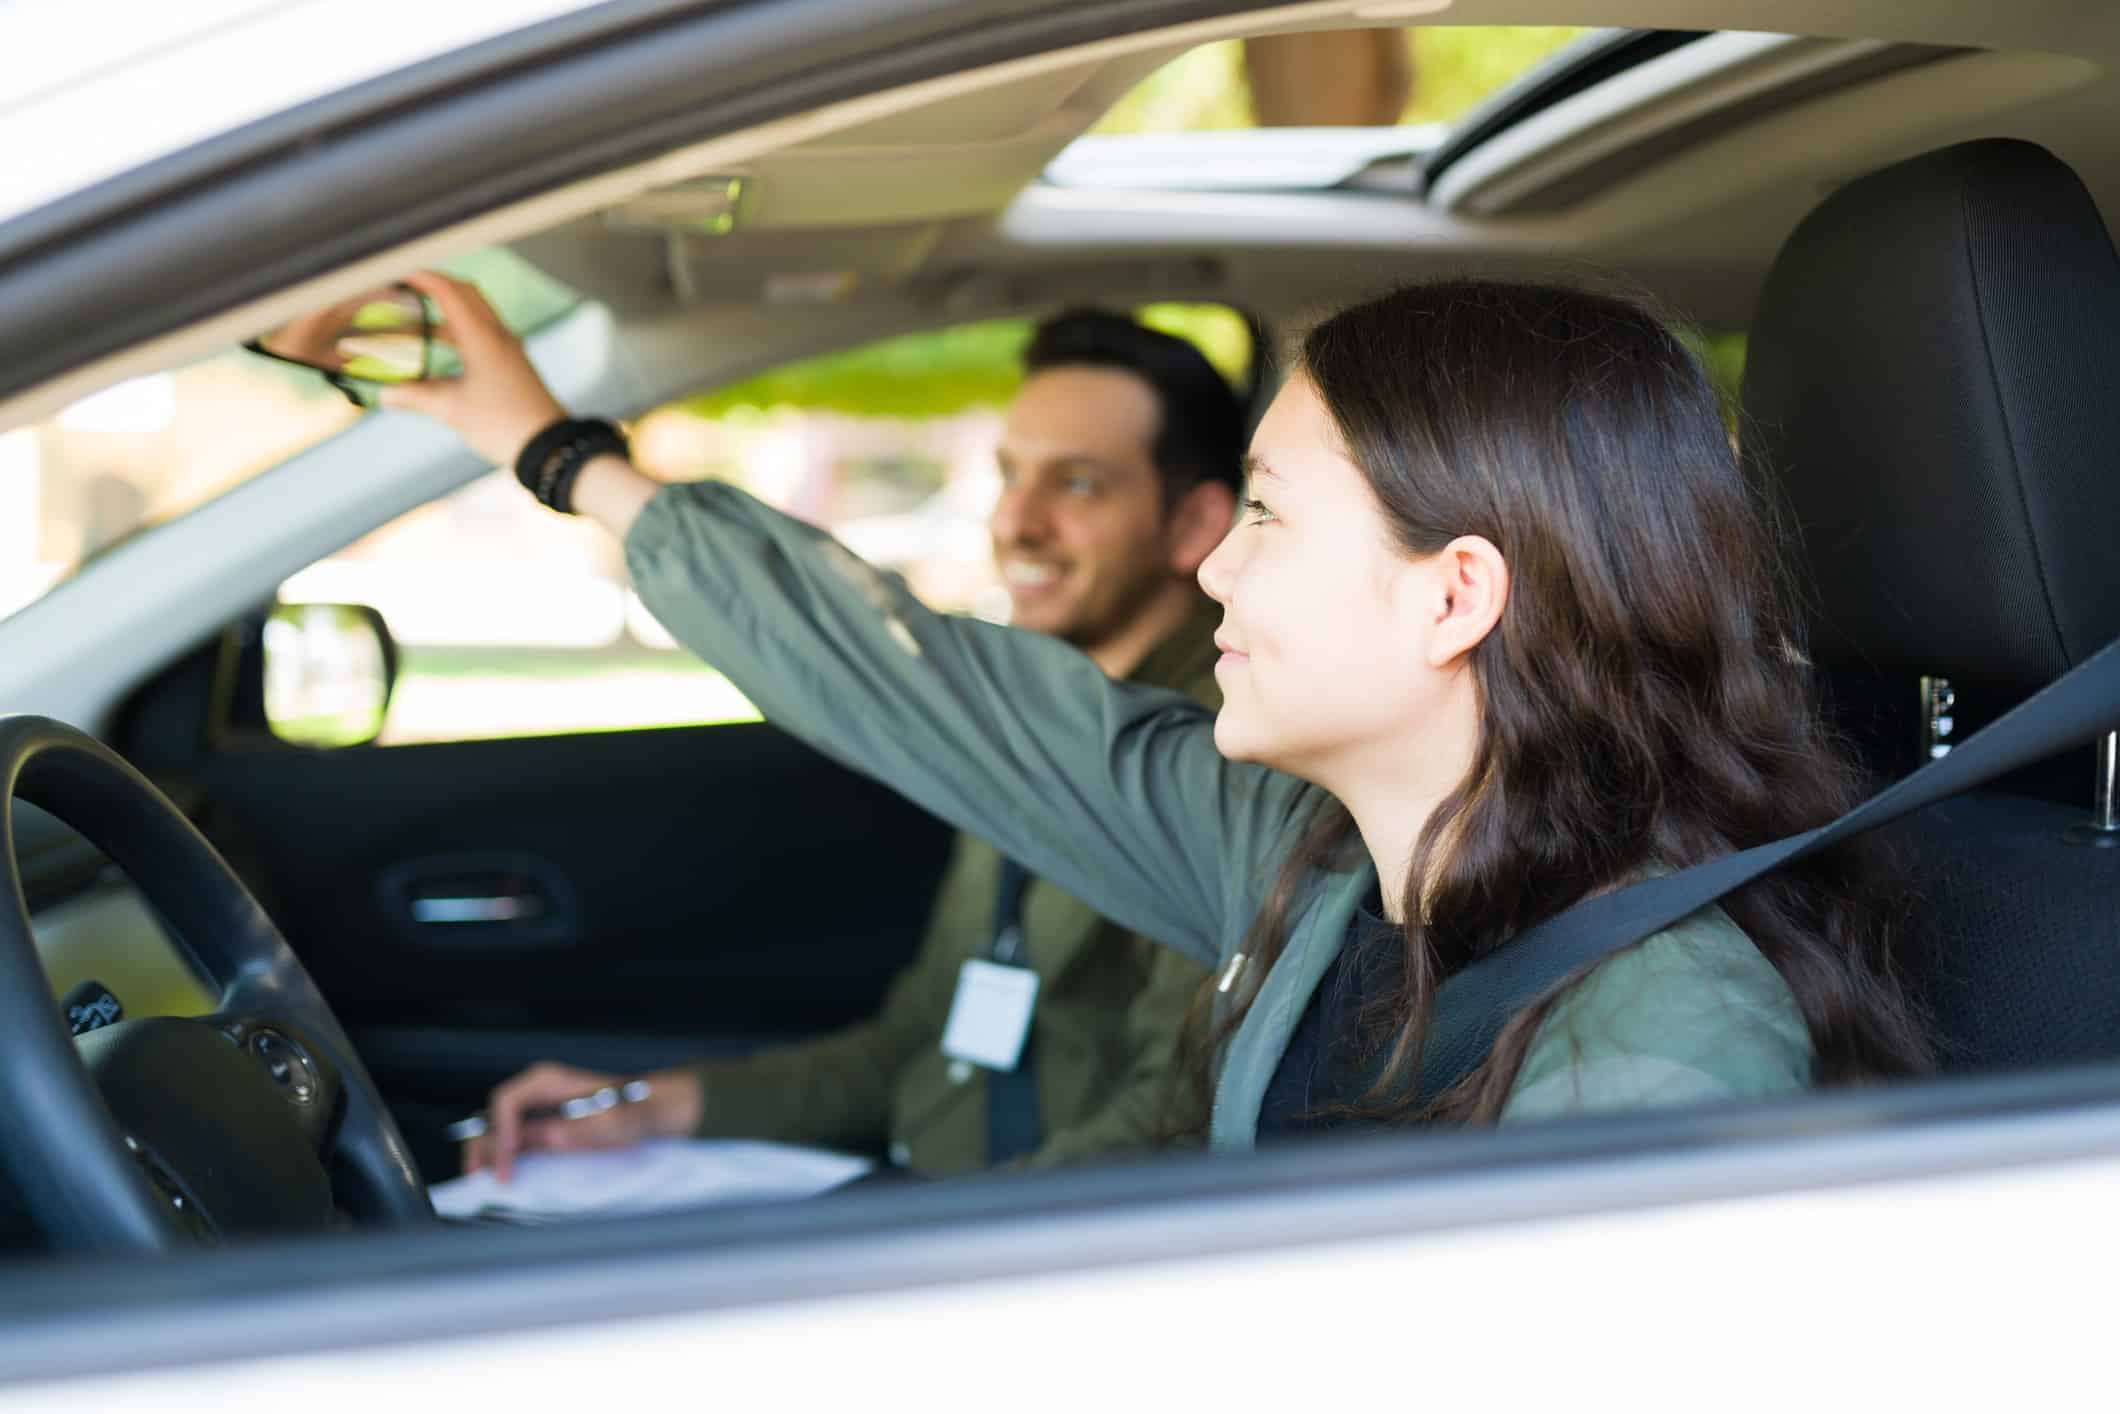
[1933, 382]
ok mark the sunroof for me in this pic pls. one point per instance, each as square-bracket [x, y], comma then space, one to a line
[1346, 78]
[1348, 105]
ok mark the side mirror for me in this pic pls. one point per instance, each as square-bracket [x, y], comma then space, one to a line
[329, 672]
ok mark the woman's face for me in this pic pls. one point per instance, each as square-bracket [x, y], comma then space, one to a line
[1328, 627]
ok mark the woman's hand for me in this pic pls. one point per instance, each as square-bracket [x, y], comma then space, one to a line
[498, 402]
[671, 1110]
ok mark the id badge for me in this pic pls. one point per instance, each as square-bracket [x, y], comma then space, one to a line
[991, 1016]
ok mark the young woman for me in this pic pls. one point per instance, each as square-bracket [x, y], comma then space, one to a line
[1500, 630]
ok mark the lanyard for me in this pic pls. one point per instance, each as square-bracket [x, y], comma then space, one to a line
[1007, 946]
[1013, 1124]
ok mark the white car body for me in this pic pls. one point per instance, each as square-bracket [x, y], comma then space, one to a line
[1945, 1257]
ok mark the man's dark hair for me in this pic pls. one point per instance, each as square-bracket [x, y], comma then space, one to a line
[1200, 435]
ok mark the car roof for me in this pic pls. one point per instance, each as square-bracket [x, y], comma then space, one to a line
[130, 84]
[1683, 171]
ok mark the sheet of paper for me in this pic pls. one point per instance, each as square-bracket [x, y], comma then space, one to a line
[991, 1014]
[653, 1176]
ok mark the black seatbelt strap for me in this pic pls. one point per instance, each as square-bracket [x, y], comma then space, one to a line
[1471, 1008]
[1013, 1126]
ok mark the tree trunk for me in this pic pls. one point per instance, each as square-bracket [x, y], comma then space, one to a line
[1339, 78]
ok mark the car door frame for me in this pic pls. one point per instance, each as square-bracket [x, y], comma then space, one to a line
[1626, 1227]
[1004, 1235]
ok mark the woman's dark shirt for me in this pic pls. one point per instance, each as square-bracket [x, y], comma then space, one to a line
[1332, 1055]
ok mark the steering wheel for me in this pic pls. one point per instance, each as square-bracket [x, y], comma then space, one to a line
[159, 1133]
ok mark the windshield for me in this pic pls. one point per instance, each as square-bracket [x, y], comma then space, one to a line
[150, 449]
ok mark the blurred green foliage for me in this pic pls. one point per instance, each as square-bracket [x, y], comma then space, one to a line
[1216, 330]
[1202, 90]
[945, 371]
[1454, 67]
[929, 374]
[1723, 358]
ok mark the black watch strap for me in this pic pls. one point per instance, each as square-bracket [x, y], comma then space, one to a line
[550, 461]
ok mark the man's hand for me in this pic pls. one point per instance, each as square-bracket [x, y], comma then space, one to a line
[498, 402]
[671, 1109]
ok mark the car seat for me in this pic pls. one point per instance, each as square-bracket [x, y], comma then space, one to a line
[1928, 397]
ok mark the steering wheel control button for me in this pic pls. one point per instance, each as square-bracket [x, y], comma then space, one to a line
[90, 1007]
[284, 1062]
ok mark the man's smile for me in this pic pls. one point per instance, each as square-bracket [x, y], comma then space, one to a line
[1030, 576]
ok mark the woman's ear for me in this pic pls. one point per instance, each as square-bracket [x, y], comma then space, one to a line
[1197, 523]
[1466, 595]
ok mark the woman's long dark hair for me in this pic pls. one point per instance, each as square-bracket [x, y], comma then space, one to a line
[1643, 700]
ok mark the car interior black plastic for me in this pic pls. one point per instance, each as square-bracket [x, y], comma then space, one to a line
[87, 1185]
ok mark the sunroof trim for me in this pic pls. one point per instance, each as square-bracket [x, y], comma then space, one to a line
[1580, 66]
[1236, 159]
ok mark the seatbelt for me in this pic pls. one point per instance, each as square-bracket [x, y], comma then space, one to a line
[1013, 1123]
[1471, 1008]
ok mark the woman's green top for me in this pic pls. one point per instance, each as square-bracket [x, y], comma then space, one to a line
[1116, 793]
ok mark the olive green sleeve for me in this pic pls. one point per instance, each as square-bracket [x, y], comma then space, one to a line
[1148, 1109]
[1113, 791]
[1689, 1016]
[838, 1090]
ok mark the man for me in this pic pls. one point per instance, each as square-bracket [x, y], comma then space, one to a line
[1120, 467]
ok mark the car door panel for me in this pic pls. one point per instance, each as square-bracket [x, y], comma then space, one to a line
[615, 898]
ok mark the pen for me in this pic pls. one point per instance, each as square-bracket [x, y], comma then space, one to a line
[610, 1097]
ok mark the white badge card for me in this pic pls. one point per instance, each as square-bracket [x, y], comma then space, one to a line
[991, 1016]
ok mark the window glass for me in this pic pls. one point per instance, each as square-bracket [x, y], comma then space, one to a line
[1378, 77]
[153, 448]
[512, 621]
[1722, 356]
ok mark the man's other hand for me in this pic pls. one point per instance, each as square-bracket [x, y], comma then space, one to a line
[671, 1109]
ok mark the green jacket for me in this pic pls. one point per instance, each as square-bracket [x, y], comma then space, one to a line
[1116, 793]
[1109, 1007]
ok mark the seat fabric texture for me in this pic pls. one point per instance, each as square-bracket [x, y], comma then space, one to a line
[1927, 402]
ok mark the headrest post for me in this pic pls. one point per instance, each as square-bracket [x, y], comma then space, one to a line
[2103, 831]
[1938, 701]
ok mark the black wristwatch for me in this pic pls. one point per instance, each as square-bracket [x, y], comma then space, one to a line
[551, 460]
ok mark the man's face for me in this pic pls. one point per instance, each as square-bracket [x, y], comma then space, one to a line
[1079, 531]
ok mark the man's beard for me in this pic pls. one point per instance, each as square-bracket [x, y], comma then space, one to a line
[1111, 620]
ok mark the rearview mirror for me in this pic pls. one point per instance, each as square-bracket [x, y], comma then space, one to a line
[379, 336]
[329, 672]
